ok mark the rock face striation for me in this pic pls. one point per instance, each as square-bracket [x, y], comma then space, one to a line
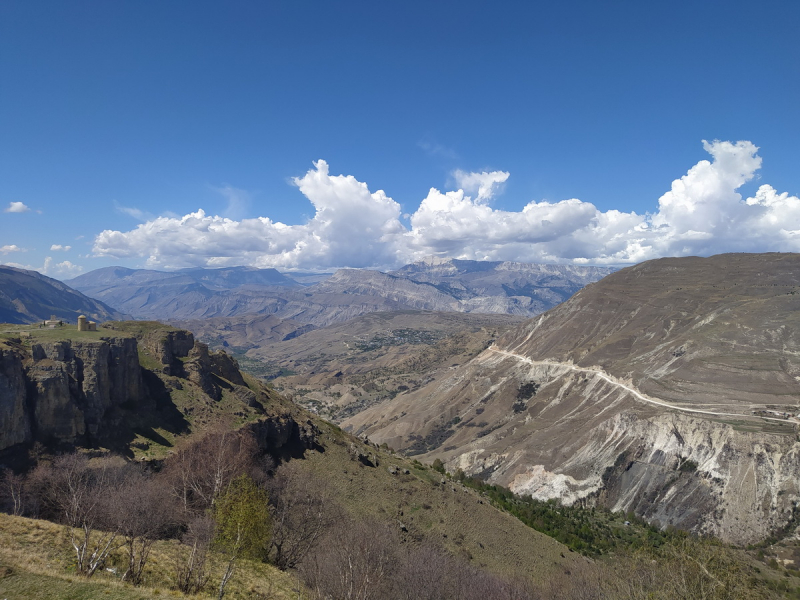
[671, 388]
[62, 391]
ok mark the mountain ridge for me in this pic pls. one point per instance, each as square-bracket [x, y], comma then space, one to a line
[558, 407]
[467, 286]
[28, 297]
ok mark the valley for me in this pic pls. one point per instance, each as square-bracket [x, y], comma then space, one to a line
[664, 396]
[605, 397]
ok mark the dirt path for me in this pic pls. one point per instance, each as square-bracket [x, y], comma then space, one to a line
[635, 393]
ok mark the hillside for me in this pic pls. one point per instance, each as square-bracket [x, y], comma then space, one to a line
[29, 297]
[668, 388]
[144, 391]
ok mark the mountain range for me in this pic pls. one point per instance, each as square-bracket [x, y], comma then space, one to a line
[433, 285]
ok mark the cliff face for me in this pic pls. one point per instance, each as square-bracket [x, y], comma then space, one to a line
[15, 426]
[67, 388]
[60, 391]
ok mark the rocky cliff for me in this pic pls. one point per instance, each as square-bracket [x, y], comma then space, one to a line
[63, 388]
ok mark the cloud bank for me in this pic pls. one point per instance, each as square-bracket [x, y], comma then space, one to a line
[701, 214]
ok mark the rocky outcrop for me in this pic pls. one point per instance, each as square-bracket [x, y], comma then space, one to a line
[63, 390]
[169, 346]
[91, 390]
[90, 376]
[284, 436]
[180, 355]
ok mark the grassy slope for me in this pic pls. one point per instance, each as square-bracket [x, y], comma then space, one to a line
[447, 514]
[36, 559]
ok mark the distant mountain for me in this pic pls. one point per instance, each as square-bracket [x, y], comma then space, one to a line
[28, 297]
[502, 287]
[670, 388]
[437, 285]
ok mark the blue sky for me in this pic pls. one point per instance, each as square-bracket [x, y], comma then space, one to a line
[503, 130]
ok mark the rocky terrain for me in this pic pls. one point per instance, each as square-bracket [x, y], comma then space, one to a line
[341, 369]
[29, 297]
[122, 385]
[669, 388]
[434, 284]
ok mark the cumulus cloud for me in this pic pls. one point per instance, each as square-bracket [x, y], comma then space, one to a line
[52, 268]
[351, 227]
[486, 185]
[10, 248]
[702, 214]
[60, 270]
[16, 207]
[60, 248]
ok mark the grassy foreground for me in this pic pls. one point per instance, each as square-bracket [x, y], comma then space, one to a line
[36, 561]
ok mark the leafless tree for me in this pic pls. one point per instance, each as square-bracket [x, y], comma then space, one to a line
[201, 470]
[302, 511]
[142, 510]
[191, 564]
[79, 494]
[13, 491]
[353, 563]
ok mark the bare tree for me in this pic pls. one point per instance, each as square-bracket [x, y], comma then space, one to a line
[202, 470]
[79, 495]
[352, 563]
[13, 491]
[301, 513]
[142, 510]
[191, 564]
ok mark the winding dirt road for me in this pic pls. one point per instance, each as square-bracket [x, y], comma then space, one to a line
[635, 393]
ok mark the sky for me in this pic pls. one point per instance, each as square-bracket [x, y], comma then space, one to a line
[311, 135]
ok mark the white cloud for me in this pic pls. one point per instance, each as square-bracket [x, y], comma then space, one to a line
[10, 248]
[60, 248]
[60, 270]
[351, 227]
[51, 268]
[485, 184]
[16, 207]
[701, 214]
